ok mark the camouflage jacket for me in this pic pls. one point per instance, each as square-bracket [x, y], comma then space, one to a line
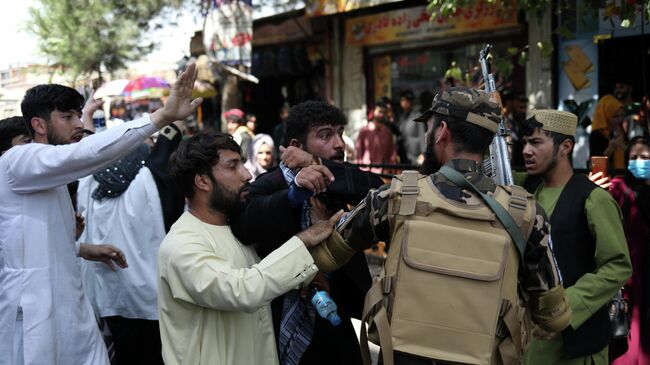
[368, 224]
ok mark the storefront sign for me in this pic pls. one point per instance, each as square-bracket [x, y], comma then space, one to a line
[228, 32]
[329, 7]
[414, 23]
[289, 30]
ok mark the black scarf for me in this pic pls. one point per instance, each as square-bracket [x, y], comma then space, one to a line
[115, 179]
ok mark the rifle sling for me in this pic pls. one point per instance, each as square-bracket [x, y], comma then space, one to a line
[502, 214]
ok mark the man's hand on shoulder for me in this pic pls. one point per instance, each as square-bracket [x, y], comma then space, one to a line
[319, 232]
[296, 158]
[179, 105]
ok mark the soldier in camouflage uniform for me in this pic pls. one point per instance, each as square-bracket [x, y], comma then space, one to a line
[461, 125]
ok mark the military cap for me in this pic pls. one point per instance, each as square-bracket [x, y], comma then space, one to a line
[466, 104]
[556, 121]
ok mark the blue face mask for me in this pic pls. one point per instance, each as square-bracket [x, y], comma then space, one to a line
[640, 169]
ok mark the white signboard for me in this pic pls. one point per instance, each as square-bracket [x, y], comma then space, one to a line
[229, 32]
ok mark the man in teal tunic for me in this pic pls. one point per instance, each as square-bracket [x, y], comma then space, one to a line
[587, 238]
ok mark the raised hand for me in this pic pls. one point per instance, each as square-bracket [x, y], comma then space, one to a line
[92, 105]
[179, 105]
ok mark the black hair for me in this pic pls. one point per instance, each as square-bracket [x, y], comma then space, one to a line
[41, 100]
[236, 119]
[407, 94]
[196, 156]
[308, 114]
[644, 140]
[10, 128]
[466, 137]
[532, 124]
[382, 103]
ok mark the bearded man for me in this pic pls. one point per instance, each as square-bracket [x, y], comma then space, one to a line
[45, 317]
[215, 293]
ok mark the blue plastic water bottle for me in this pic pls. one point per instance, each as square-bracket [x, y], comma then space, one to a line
[99, 120]
[324, 305]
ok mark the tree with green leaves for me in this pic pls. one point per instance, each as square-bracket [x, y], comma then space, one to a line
[85, 36]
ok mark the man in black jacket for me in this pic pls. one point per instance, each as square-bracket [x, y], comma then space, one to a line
[280, 201]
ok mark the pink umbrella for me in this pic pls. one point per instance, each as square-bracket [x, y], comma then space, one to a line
[145, 87]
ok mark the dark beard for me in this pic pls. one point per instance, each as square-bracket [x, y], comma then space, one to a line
[224, 200]
[52, 137]
[430, 165]
[338, 156]
[551, 165]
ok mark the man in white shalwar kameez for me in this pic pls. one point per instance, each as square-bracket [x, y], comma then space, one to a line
[44, 316]
[123, 205]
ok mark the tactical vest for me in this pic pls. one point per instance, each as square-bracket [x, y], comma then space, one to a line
[574, 249]
[450, 287]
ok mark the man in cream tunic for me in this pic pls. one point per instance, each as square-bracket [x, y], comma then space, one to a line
[214, 292]
[44, 316]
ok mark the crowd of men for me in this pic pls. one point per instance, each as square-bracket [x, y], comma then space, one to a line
[215, 268]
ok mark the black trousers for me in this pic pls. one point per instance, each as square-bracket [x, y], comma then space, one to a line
[136, 341]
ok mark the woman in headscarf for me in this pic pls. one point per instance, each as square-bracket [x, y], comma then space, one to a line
[607, 135]
[260, 155]
[632, 192]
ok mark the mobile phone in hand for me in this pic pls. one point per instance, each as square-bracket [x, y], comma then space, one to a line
[599, 164]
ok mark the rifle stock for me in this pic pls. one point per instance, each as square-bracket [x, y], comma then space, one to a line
[498, 165]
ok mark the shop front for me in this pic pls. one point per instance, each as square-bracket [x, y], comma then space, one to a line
[289, 61]
[594, 56]
[406, 50]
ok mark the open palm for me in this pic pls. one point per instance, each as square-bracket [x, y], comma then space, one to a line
[180, 105]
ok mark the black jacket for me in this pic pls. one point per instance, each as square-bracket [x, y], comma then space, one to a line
[269, 220]
[574, 249]
[172, 200]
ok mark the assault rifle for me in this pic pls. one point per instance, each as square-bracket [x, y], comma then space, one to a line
[498, 165]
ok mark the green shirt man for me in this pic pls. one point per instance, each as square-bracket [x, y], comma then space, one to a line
[548, 136]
